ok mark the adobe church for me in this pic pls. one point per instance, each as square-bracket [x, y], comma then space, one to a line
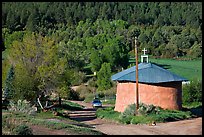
[156, 86]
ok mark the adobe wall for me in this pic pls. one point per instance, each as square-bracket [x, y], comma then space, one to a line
[165, 95]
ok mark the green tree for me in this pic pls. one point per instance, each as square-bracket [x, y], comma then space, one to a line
[103, 77]
[192, 92]
[9, 89]
[33, 20]
[96, 61]
[38, 57]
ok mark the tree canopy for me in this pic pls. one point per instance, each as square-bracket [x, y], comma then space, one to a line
[54, 45]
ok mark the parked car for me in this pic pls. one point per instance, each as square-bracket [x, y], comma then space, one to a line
[96, 103]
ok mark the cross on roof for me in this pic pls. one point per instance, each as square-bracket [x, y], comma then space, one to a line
[144, 50]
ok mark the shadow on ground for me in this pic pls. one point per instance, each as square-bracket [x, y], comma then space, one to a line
[197, 111]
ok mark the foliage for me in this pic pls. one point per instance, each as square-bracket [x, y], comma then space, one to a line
[171, 115]
[22, 106]
[24, 85]
[71, 106]
[53, 58]
[92, 82]
[37, 66]
[192, 92]
[128, 117]
[86, 93]
[157, 13]
[23, 130]
[148, 109]
[143, 110]
[9, 89]
[107, 113]
[72, 127]
[141, 120]
[103, 77]
[129, 111]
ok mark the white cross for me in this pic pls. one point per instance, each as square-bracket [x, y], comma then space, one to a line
[144, 50]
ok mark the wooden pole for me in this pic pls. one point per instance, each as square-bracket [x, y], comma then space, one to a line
[136, 74]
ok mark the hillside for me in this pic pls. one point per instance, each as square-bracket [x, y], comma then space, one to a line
[47, 46]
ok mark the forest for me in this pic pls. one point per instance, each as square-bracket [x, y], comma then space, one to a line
[52, 46]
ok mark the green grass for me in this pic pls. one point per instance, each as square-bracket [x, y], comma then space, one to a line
[72, 127]
[108, 113]
[71, 106]
[162, 116]
[112, 101]
[191, 69]
[42, 118]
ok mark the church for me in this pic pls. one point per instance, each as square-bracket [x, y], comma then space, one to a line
[156, 86]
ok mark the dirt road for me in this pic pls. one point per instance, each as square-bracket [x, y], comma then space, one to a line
[184, 127]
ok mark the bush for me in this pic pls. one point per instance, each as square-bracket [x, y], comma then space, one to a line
[143, 110]
[170, 115]
[141, 119]
[92, 82]
[23, 130]
[148, 109]
[126, 120]
[108, 113]
[78, 78]
[85, 92]
[192, 92]
[22, 106]
[129, 111]
[73, 95]
[89, 97]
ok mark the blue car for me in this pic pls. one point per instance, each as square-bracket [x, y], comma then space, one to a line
[96, 103]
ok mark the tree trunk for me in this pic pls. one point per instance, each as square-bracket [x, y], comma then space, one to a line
[40, 103]
[60, 102]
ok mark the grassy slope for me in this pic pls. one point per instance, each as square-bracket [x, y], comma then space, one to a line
[42, 118]
[187, 69]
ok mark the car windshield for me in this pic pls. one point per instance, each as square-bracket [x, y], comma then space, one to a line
[96, 101]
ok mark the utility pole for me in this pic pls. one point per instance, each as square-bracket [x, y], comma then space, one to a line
[136, 74]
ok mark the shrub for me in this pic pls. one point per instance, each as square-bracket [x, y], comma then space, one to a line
[23, 130]
[129, 111]
[148, 109]
[73, 95]
[141, 119]
[22, 106]
[92, 82]
[108, 113]
[85, 92]
[126, 120]
[192, 92]
[78, 78]
[143, 110]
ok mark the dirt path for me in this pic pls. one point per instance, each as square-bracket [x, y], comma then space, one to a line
[184, 127]
[41, 130]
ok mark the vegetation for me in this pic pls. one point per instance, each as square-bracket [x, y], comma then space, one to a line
[8, 93]
[192, 92]
[23, 130]
[49, 47]
[191, 69]
[22, 106]
[15, 121]
[148, 114]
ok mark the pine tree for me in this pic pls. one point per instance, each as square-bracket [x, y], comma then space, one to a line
[9, 86]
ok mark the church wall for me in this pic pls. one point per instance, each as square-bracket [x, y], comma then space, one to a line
[166, 95]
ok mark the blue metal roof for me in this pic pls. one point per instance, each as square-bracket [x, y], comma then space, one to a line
[147, 73]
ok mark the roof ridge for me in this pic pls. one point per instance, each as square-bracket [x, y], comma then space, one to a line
[156, 74]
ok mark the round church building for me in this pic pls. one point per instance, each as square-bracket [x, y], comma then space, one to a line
[156, 86]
